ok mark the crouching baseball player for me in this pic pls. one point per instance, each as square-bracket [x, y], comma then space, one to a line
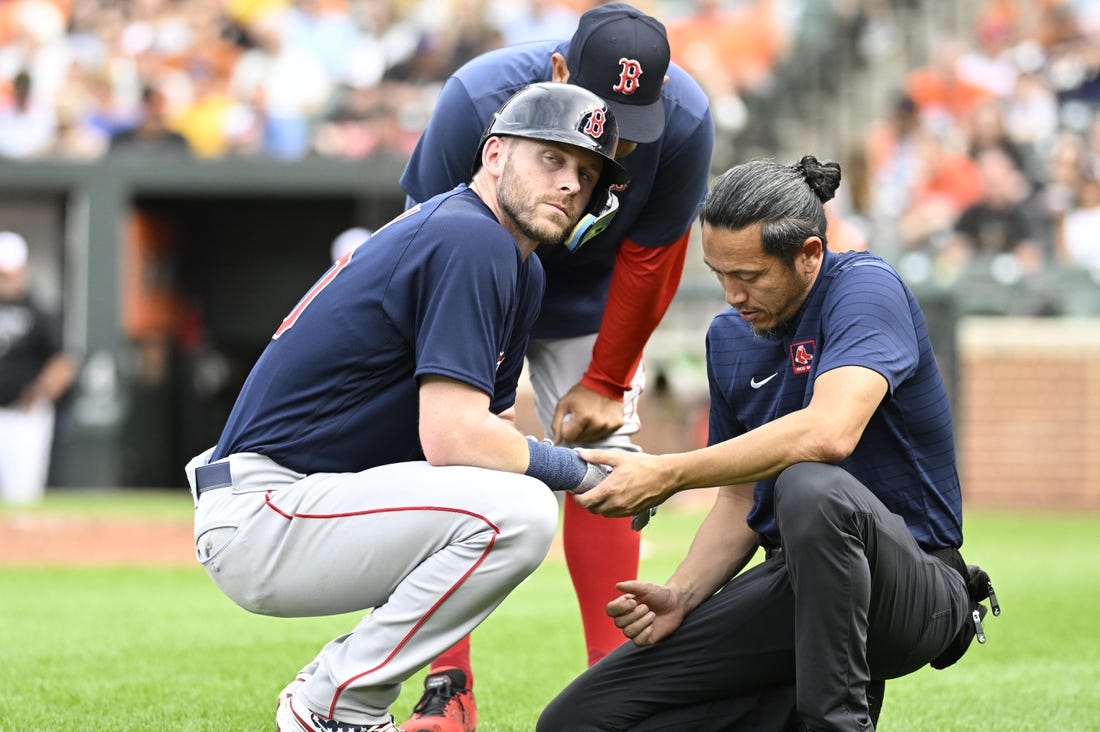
[370, 461]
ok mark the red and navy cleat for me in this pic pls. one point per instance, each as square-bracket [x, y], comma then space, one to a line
[446, 706]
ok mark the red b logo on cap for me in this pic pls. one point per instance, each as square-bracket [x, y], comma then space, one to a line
[628, 76]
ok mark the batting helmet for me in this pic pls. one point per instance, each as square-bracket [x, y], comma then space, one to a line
[575, 116]
[560, 113]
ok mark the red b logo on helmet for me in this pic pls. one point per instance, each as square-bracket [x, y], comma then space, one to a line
[628, 76]
[596, 120]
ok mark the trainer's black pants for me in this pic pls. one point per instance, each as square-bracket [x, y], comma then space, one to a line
[791, 643]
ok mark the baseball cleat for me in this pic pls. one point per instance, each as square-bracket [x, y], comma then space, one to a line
[293, 716]
[446, 706]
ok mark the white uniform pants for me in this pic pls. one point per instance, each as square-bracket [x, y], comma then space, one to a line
[555, 365]
[433, 550]
[25, 440]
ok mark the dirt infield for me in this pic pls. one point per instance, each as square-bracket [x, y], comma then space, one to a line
[37, 540]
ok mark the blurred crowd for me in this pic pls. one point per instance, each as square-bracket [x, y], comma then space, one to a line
[214, 78]
[986, 170]
[990, 150]
[80, 79]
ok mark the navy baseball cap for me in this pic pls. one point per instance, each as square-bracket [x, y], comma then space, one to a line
[622, 54]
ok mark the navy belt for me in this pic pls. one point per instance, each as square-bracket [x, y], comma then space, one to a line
[214, 475]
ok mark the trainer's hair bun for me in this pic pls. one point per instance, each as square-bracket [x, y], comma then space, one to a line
[823, 178]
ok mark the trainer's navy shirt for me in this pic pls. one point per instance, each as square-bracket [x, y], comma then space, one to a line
[668, 178]
[442, 289]
[859, 313]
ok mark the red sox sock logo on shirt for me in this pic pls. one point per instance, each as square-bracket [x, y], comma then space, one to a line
[802, 356]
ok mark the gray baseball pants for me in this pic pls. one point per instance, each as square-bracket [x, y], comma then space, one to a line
[433, 550]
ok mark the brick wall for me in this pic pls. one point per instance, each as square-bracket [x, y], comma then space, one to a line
[1028, 412]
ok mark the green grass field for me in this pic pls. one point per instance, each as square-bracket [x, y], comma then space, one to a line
[154, 648]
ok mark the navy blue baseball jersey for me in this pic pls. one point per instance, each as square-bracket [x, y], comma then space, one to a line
[441, 289]
[859, 313]
[668, 178]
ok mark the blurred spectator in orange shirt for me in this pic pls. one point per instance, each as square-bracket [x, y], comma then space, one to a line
[946, 182]
[732, 52]
[885, 138]
[941, 94]
[729, 51]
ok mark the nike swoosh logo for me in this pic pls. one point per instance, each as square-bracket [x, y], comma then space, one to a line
[757, 384]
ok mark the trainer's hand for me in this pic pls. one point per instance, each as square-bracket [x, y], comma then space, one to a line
[591, 416]
[637, 482]
[646, 612]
